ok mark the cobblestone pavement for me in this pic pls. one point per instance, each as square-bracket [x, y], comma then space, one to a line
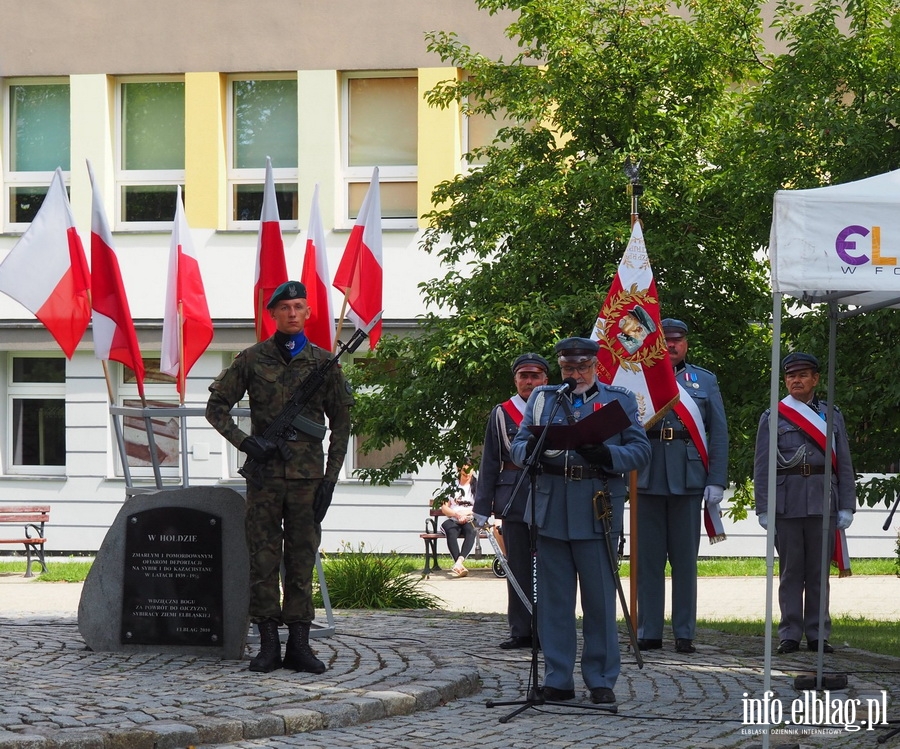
[410, 679]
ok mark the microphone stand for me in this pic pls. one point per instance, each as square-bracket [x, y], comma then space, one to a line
[535, 696]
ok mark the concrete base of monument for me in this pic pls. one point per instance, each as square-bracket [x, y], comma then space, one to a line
[172, 576]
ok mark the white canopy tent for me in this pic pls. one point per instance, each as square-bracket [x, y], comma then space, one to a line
[838, 245]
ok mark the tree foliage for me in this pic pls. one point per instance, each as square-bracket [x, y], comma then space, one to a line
[530, 241]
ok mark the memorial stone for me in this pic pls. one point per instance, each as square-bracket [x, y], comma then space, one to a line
[171, 576]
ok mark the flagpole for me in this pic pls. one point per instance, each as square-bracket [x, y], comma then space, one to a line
[337, 333]
[181, 377]
[259, 314]
[635, 190]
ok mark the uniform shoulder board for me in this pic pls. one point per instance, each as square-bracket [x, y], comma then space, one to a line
[617, 388]
[701, 369]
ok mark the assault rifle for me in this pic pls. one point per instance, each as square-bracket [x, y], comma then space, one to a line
[285, 426]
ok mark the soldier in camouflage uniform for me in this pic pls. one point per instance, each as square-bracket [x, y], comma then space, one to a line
[284, 516]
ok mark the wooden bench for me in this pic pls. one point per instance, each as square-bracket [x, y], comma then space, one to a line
[32, 519]
[432, 534]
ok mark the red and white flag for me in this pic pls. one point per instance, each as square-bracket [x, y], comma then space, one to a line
[114, 334]
[632, 345]
[320, 325]
[271, 269]
[187, 326]
[359, 274]
[47, 273]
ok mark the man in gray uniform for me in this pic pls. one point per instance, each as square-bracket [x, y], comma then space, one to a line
[498, 477]
[799, 498]
[670, 492]
[284, 516]
[571, 544]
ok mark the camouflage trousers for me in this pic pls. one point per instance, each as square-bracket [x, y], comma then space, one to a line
[280, 527]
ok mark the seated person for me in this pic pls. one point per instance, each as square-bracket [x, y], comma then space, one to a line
[458, 524]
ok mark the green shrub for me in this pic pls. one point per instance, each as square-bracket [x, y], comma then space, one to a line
[360, 579]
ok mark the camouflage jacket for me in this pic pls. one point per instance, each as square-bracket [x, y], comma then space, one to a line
[262, 373]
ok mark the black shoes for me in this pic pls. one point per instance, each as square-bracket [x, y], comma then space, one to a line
[514, 643]
[649, 644]
[683, 645]
[602, 696]
[557, 695]
[814, 645]
[788, 646]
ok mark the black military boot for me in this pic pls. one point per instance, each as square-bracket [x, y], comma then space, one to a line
[269, 656]
[298, 655]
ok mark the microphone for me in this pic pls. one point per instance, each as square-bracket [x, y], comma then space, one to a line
[568, 386]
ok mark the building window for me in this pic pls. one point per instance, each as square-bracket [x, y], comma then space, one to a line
[263, 123]
[380, 128]
[36, 432]
[36, 141]
[150, 162]
[481, 131]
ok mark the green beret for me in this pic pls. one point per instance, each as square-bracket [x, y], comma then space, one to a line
[287, 290]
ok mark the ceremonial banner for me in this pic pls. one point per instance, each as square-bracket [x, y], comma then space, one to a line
[632, 347]
[114, 334]
[320, 325]
[359, 274]
[47, 273]
[271, 269]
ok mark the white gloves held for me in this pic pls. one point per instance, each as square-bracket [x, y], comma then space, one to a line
[713, 494]
[844, 518]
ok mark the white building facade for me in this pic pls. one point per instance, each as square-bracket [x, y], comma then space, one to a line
[197, 94]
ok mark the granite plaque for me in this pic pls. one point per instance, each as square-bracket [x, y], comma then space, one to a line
[172, 583]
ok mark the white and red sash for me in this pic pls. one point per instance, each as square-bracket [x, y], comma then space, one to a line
[686, 409]
[810, 422]
[512, 410]
[515, 409]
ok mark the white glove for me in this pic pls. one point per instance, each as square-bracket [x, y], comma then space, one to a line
[844, 518]
[763, 519]
[713, 494]
[480, 520]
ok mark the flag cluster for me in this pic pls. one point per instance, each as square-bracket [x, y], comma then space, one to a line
[47, 272]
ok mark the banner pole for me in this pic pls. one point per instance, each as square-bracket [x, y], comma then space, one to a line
[635, 189]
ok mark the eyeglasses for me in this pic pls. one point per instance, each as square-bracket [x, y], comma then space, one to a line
[582, 368]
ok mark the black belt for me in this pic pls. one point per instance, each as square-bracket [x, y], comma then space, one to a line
[667, 433]
[508, 465]
[804, 469]
[574, 472]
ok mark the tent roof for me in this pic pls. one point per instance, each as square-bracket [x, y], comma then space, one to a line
[839, 242]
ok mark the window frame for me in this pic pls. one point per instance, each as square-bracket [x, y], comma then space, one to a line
[17, 178]
[30, 391]
[141, 177]
[257, 176]
[356, 175]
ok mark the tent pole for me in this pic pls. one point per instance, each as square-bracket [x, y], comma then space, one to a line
[774, 388]
[827, 530]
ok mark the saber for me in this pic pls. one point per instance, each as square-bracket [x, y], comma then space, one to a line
[603, 510]
[501, 557]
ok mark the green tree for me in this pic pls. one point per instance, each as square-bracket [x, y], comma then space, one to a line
[530, 241]
[826, 112]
